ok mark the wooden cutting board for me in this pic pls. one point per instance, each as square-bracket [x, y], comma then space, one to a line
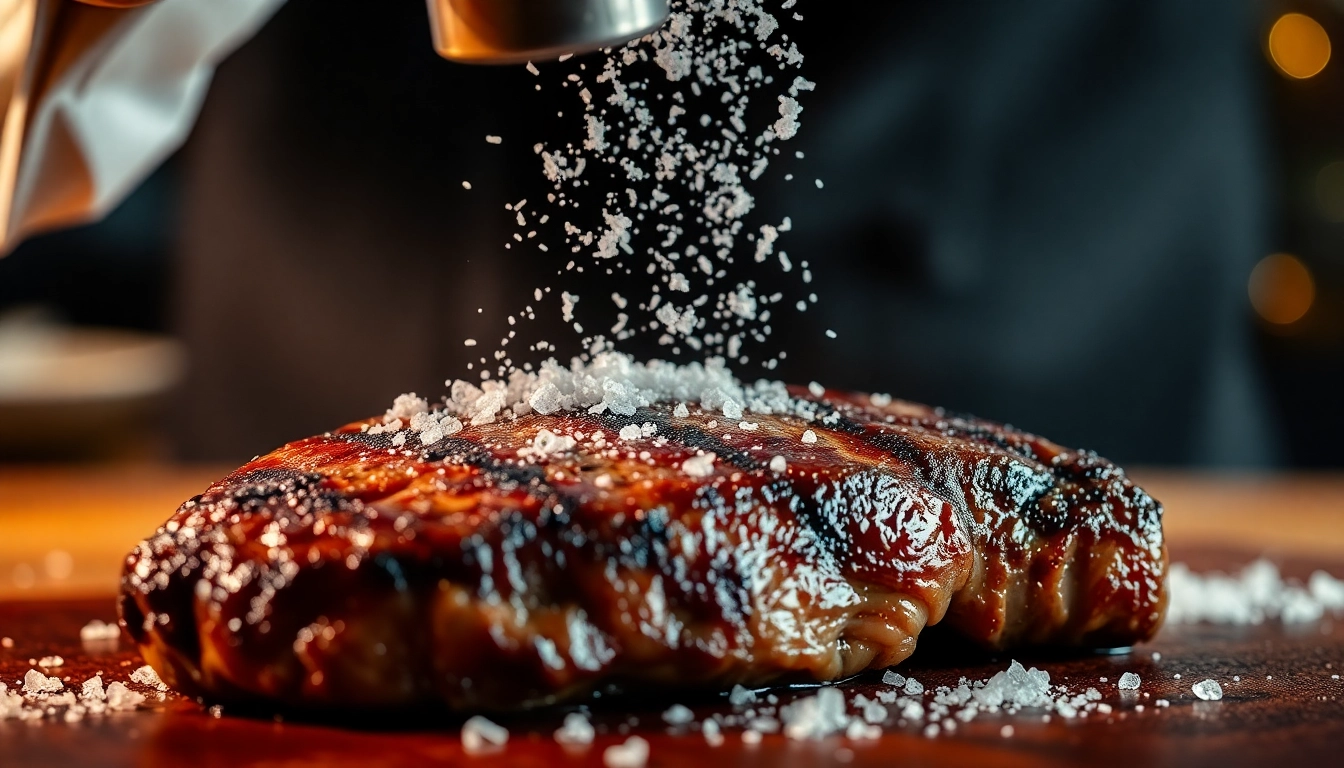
[1285, 705]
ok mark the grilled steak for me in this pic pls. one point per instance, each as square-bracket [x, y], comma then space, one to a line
[536, 559]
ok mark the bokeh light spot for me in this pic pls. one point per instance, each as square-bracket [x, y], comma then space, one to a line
[1299, 45]
[1281, 289]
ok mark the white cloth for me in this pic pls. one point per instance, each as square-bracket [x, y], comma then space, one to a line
[95, 98]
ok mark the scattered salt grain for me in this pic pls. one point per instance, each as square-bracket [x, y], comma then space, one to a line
[913, 687]
[120, 698]
[481, 735]
[699, 466]
[92, 689]
[740, 696]
[36, 682]
[815, 717]
[1255, 595]
[6, 642]
[576, 731]
[51, 661]
[678, 714]
[98, 630]
[809, 436]
[779, 465]
[634, 753]
[893, 678]
[1006, 731]
[147, 676]
[751, 737]
[1208, 690]
[713, 734]
[1129, 682]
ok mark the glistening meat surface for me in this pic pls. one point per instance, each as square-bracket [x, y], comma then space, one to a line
[495, 569]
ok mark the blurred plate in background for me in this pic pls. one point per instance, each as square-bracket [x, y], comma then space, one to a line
[78, 393]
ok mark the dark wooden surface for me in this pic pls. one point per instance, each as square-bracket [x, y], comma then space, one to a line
[1285, 706]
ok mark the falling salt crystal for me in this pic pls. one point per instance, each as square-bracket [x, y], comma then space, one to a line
[634, 753]
[480, 735]
[1006, 731]
[576, 730]
[1157, 656]
[466, 185]
[830, 334]
[751, 737]
[468, 342]
[820, 184]
[1129, 682]
[1208, 690]
[51, 661]
[493, 140]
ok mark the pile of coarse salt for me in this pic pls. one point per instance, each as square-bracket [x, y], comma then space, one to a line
[676, 127]
[903, 702]
[606, 381]
[1256, 595]
[40, 696]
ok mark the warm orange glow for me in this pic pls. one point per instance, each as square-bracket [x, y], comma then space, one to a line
[1299, 45]
[1281, 289]
[1330, 191]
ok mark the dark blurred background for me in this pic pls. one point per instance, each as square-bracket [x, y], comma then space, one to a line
[1119, 224]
